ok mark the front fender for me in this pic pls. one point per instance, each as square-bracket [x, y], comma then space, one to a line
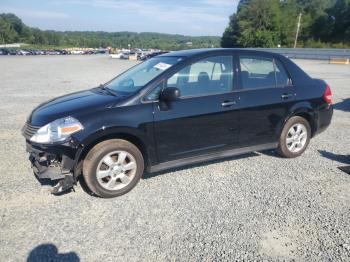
[143, 140]
[133, 123]
[114, 131]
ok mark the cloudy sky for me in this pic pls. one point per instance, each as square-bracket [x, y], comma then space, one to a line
[188, 17]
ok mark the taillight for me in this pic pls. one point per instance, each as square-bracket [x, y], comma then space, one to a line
[327, 96]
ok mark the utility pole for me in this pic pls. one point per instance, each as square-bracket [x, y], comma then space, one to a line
[297, 33]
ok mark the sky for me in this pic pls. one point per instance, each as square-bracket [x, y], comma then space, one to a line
[191, 17]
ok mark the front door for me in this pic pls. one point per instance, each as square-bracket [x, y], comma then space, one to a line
[205, 119]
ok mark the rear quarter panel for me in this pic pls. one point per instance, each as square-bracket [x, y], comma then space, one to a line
[308, 98]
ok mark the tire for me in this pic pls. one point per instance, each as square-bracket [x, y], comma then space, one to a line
[285, 147]
[113, 167]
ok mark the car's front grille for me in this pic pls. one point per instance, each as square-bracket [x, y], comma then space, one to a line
[28, 130]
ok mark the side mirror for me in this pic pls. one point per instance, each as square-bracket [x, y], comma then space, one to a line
[170, 94]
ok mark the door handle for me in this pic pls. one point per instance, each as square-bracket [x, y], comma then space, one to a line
[228, 103]
[286, 96]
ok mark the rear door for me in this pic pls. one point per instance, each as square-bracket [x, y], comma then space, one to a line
[205, 119]
[266, 94]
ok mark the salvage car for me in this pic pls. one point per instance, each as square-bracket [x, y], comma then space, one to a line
[172, 110]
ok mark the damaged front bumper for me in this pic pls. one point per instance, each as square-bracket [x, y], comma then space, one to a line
[48, 164]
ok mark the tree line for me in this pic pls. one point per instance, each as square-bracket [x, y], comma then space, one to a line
[273, 23]
[13, 30]
[256, 23]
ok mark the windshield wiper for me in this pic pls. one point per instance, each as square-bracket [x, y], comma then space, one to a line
[108, 90]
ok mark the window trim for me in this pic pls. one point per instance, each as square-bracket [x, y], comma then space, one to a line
[254, 89]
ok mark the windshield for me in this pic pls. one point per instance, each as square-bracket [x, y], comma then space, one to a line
[137, 77]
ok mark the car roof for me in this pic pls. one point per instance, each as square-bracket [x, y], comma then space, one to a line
[204, 51]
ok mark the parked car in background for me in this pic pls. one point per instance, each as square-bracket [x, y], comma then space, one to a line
[40, 52]
[89, 52]
[61, 51]
[150, 55]
[173, 110]
[116, 56]
[22, 52]
[3, 52]
[27, 51]
[77, 52]
[12, 51]
[124, 55]
[102, 51]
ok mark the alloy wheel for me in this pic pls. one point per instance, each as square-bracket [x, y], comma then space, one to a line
[116, 170]
[296, 138]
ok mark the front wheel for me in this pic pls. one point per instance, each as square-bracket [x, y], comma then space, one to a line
[294, 138]
[113, 167]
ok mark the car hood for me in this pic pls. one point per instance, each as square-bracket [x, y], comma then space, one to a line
[72, 105]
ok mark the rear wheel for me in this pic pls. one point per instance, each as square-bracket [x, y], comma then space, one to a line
[294, 138]
[113, 167]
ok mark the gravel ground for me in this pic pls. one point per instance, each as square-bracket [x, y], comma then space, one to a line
[253, 207]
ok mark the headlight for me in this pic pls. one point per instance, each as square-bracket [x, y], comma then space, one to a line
[57, 131]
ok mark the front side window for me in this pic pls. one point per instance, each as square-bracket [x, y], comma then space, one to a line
[137, 77]
[211, 75]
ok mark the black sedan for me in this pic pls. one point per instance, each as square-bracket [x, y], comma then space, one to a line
[176, 109]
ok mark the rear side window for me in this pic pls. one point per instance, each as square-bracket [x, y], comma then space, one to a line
[262, 72]
[257, 72]
[211, 75]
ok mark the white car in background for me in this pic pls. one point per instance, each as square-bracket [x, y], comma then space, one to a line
[116, 56]
[77, 52]
[22, 52]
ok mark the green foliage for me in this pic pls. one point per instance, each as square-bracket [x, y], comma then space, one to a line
[13, 30]
[289, 17]
[9, 28]
[231, 34]
[258, 23]
[341, 13]
[269, 23]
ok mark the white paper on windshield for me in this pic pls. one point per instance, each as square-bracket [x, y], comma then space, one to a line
[162, 66]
